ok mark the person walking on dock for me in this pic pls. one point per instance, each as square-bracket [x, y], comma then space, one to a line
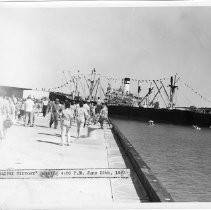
[55, 110]
[67, 116]
[12, 110]
[44, 106]
[98, 106]
[22, 111]
[86, 106]
[17, 109]
[92, 113]
[81, 115]
[36, 103]
[104, 115]
[92, 109]
[73, 107]
[29, 106]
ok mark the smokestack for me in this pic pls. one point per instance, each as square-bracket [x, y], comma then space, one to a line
[126, 85]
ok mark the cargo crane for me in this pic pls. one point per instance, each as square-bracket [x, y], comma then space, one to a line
[146, 97]
[94, 85]
[170, 97]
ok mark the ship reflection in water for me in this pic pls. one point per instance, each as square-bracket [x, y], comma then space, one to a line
[179, 156]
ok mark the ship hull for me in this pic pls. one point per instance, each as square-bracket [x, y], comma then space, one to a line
[180, 117]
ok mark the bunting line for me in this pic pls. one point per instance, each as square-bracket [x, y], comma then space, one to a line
[83, 76]
[197, 93]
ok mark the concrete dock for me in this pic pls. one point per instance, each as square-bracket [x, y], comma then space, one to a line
[38, 148]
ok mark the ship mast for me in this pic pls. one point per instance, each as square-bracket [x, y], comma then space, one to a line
[67, 81]
[172, 91]
[139, 89]
[76, 86]
[92, 83]
[72, 79]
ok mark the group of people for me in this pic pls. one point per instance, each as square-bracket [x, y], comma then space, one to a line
[83, 113]
[25, 109]
[16, 110]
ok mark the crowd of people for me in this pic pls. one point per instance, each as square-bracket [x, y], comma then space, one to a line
[16, 110]
[64, 113]
[82, 112]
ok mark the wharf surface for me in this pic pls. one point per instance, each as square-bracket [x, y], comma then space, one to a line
[39, 147]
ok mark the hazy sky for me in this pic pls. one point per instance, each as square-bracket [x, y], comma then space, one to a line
[37, 44]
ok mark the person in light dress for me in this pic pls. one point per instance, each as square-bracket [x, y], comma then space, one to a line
[81, 116]
[67, 116]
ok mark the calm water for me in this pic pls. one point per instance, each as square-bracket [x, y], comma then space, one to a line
[180, 156]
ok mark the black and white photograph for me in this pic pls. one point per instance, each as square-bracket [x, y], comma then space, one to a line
[105, 107]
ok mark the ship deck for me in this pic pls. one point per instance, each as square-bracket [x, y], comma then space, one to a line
[38, 148]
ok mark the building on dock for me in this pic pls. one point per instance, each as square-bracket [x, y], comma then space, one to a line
[9, 91]
[39, 94]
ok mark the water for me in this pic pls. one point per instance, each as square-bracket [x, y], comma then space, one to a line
[180, 156]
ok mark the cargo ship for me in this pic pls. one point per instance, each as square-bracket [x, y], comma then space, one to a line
[122, 103]
[145, 109]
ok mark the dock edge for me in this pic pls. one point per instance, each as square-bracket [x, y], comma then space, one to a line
[153, 187]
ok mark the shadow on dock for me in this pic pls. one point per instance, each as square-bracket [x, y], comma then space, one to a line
[49, 134]
[42, 126]
[90, 131]
[48, 142]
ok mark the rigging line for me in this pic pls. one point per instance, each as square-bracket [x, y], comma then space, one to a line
[191, 103]
[102, 90]
[86, 82]
[72, 77]
[133, 79]
[96, 90]
[185, 97]
[67, 81]
[165, 90]
[197, 93]
[94, 85]
[160, 93]
[156, 95]
[176, 97]
[111, 78]
[145, 97]
[82, 87]
[177, 79]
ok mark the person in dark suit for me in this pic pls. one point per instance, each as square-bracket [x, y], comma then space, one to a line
[55, 111]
